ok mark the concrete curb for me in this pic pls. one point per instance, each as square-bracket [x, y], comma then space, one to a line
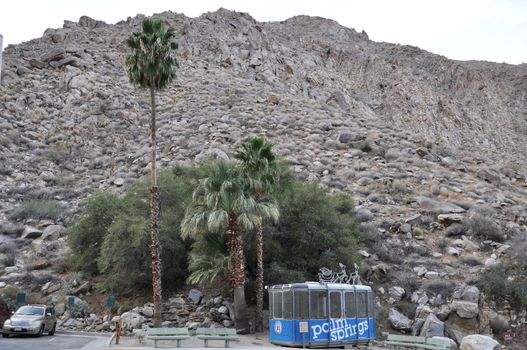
[109, 342]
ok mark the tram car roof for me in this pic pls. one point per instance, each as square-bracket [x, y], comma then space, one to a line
[320, 286]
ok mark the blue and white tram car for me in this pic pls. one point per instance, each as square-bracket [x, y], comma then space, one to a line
[314, 314]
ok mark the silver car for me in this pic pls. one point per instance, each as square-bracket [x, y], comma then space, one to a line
[31, 319]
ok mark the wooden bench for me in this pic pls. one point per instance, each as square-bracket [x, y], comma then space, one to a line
[397, 342]
[157, 334]
[225, 334]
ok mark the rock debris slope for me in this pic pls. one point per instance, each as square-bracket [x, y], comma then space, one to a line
[419, 140]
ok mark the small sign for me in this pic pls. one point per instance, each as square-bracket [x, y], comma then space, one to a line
[303, 327]
[71, 301]
[21, 298]
[110, 302]
[278, 327]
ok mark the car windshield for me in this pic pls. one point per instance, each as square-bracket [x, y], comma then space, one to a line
[30, 311]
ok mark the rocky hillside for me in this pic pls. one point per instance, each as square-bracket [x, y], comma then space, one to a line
[420, 141]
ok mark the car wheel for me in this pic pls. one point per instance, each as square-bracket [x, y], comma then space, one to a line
[5, 335]
[52, 331]
[41, 331]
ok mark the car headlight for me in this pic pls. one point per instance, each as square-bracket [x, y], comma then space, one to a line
[7, 323]
[36, 324]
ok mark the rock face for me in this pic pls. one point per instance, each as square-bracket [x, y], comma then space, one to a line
[308, 83]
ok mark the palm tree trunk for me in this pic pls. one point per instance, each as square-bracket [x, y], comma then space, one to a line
[237, 275]
[154, 218]
[259, 276]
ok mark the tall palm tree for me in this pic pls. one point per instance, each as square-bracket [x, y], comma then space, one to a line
[220, 205]
[151, 66]
[260, 166]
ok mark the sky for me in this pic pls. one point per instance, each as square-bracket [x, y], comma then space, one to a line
[490, 30]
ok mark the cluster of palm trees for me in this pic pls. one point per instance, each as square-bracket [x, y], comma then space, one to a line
[232, 200]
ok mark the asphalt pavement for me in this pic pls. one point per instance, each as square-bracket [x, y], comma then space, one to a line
[59, 341]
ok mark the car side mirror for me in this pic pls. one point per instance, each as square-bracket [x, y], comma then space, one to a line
[12, 312]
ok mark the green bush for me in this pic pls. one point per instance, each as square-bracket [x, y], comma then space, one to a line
[503, 282]
[112, 235]
[38, 209]
[482, 224]
[113, 238]
[124, 258]
[440, 286]
[7, 253]
[316, 229]
[86, 236]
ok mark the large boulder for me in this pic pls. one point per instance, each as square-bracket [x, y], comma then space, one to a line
[132, 320]
[479, 342]
[396, 293]
[471, 293]
[31, 232]
[11, 229]
[467, 293]
[88, 22]
[53, 232]
[195, 295]
[498, 323]
[399, 321]
[439, 207]
[465, 309]
[433, 327]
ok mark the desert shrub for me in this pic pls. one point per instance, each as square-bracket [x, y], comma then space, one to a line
[470, 261]
[418, 231]
[407, 308]
[484, 227]
[416, 249]
[37, 210]
[86, 236]
[408, 281]
[518, 250]
[79, 310]
[9, 292]
[444, 150]
[426, 220]
[440, 286]
[494, 282]
[316, 229]
[398, 187]
[364, 145]
[455, 230]
[442, 244]
[7, 253]
[390, 255]
[124, 257]
[369, 233]
[503, 282]
[57, 153]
